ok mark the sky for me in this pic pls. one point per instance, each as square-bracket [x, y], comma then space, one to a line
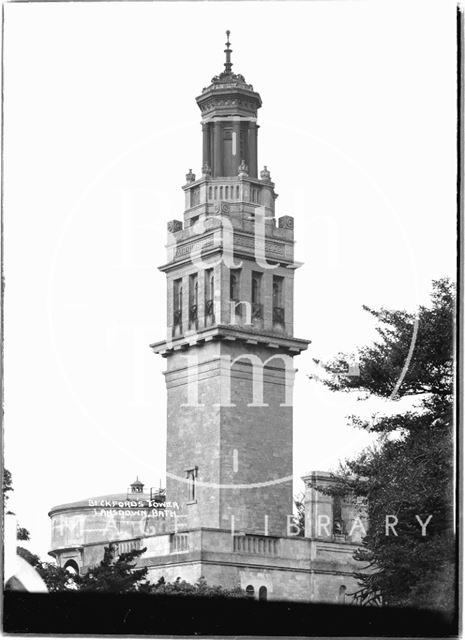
[100, 126]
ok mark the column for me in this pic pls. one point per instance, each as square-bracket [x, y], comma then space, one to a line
[217, 169]
[206, 143]
[236, 146]
[253, 127]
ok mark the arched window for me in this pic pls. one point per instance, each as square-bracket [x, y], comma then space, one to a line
[256, 288]
[209, 193]
[237, 192]
[234, 286]
[338, 523]
[209, 292]
[342, 594]
[178, 298]
[226, 193]
[262, 593]
[72, 567]
[250, 591]
[177, 303]
[221, 193]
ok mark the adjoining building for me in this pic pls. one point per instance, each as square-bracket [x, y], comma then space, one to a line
[229, 375]
[81, 530]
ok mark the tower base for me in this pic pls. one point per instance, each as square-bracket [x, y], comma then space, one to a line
[278, 568]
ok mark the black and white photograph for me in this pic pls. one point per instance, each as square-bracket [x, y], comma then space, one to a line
[231, 318]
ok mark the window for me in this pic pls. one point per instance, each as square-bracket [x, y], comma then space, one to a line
[342, 594]
[226, 193]
[72, 567]
[338, 523]
[237, 192]
[234, 285]
[194, 219]
[195, 196]
[278, 303]
[256, 282]
[210, 193]
[250, 591]
[191, 475]
[262, 593]
[257, 307]
[177, 303]
[209, 296]
[193, 300]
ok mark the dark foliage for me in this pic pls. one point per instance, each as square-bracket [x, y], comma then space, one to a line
[200, 588]
[115, 574]
[408, 474]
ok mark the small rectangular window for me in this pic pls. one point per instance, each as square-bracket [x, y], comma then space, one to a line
[195, 196]
[191, 475]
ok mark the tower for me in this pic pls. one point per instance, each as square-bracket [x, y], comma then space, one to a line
[229, 346]
[229, 352]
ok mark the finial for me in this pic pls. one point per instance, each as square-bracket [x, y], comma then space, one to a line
[228, 51]
[265, 174]
[243, 169]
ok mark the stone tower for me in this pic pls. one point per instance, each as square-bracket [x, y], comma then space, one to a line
[229, 346]
[229, 352]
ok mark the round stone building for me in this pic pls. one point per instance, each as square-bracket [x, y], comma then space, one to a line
[81, 530]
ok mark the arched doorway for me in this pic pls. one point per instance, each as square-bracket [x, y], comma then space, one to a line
[72, 567]
[250, 591]
[262, 593]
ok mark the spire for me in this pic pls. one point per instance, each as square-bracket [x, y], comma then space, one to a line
[228, 51]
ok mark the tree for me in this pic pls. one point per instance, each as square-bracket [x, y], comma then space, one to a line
[115, 574]
[408, 473]
[300, 513]
[200, 588]
[21, 532]
[7, 487]
[56, 578]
